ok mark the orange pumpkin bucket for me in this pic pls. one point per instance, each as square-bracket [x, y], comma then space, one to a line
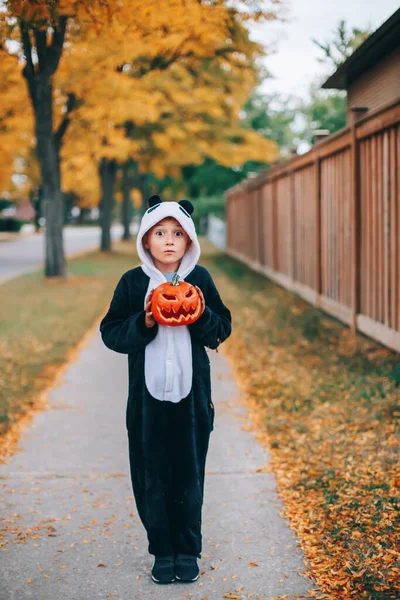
[176, 303]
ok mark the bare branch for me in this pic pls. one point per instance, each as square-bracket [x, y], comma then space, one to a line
[29, 69]
[41, 48]
[59, 134]
[56, 48]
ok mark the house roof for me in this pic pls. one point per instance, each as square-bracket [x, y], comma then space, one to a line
[381, 42]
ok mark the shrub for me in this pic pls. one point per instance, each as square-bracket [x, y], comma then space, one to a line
[10, 224]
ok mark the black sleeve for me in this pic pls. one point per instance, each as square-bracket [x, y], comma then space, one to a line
[122, 329]
[215, 324]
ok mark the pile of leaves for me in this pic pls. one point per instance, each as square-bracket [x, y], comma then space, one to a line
[325, 402]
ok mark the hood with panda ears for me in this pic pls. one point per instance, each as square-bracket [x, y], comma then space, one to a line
[157, 211]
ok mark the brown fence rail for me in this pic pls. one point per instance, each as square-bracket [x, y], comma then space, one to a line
[327, 225]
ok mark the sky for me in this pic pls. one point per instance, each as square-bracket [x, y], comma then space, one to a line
[294, 63]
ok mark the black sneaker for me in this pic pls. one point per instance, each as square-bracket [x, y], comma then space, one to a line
[186, 568]
[163, 569]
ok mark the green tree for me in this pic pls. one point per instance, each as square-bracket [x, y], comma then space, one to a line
[266, 114]
[323, 110]
[326, 109]
[272, 116]
[343, 44]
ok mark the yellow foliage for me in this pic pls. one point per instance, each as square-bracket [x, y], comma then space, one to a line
[136, 197]
[177, 73]
[16, 123]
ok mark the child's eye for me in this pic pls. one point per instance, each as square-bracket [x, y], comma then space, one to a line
[179, 232]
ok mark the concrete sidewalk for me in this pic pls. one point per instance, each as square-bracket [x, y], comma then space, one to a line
[68, 516]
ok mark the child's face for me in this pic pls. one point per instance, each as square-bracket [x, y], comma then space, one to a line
[167, 242]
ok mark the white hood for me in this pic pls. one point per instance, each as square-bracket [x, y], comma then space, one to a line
[157, 213]
[168, 357]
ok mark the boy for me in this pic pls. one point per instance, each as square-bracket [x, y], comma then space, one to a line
[170, 413]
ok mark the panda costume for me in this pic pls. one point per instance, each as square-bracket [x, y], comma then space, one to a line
[170, 413]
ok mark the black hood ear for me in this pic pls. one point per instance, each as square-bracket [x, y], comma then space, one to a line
[187, 205]
[153, 200]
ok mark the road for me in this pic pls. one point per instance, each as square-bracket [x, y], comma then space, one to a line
[27, 254]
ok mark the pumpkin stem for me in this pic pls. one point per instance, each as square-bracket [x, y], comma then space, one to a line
[175, 279]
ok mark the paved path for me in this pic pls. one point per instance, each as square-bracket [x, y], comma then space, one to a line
[27, 254]
[71, 530]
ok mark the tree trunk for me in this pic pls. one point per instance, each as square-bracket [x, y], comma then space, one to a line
[126, 210]
[108, 173]
[39, 77]
[35, 199]
[144, 186]
[52, 199]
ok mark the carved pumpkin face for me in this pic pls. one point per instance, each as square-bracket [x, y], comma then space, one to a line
[176, 303]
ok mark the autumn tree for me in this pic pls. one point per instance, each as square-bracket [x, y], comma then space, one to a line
[130, 180]
[155, 37]
[39, 29]
[16, 138]
[165, 109]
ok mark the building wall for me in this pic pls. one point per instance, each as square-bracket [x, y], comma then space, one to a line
[377, 86]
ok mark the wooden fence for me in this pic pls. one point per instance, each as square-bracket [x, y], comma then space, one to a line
[326, 224]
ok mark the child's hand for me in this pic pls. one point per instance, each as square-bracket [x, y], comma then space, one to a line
[149, 319]
[203, 302]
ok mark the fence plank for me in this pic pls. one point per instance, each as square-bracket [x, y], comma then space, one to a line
[386, 239]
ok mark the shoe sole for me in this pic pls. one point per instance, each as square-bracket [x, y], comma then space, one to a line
[162, 582]
[186, 580]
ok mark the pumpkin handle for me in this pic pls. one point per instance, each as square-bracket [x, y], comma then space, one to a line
[175, 279]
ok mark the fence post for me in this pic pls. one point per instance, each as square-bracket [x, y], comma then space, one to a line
[355, 228]
[292, 226]
[260, 211]
[275, 237]
[318, 249]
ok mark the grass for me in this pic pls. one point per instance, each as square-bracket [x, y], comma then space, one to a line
[42, 320]
[326, 404]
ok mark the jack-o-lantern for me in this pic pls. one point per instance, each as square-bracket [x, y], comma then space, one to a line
[176, 303]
